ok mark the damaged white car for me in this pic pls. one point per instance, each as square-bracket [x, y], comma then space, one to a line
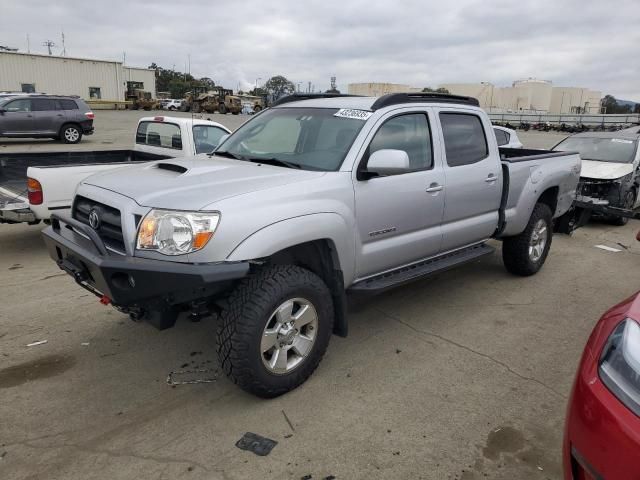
[610, 175]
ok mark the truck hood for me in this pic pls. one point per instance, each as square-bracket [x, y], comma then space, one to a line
[195, 182]
[605, 170]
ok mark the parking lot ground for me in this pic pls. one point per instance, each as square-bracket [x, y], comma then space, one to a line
[462, 376]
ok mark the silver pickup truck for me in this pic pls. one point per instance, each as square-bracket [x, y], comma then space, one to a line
[308, 202]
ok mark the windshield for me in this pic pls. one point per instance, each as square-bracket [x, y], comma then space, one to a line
[309, 138]
[618, 150]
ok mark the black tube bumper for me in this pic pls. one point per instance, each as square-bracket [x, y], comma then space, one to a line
[130, 281]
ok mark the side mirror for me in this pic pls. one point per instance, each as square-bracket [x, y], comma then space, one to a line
[388, 162]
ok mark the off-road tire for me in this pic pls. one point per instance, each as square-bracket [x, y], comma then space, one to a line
[222, 108]
[195, 108]
[629, 200]
[515, 250]
[245, 314]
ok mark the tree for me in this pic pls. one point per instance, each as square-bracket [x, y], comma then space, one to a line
[609, 104]
[333, 90]
[207, 82]
[258, 92]
[637, 108]
[279, 86]
[436, 90]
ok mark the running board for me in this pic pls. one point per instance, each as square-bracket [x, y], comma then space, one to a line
[420, 270]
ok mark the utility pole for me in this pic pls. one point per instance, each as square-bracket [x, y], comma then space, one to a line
[49, 44]
[309, 88]
[64, 49]
[28, 44]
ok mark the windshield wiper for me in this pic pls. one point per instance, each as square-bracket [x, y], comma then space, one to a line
[274, 161]
[222, 153]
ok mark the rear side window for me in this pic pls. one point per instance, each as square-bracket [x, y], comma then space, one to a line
[409, 133]
[43, 104]
[159, 134]
[66, 104]
[464, 138]
[501, 136]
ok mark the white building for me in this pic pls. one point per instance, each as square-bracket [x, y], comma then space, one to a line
[374, 89]
[530, 96]
[90, 79]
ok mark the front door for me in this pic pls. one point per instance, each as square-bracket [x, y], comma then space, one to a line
[398, 216]
[474, 179]
[17, 117]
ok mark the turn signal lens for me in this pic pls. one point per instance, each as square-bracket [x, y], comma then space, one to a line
[34, 192]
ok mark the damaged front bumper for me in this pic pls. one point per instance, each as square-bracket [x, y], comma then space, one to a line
[143, 287]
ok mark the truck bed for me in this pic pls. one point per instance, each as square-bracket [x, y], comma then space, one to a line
[14, 166]
[515, 155]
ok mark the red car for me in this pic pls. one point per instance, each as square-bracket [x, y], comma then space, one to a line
[602, 432]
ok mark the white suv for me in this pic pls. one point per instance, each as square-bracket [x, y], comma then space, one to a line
[171, 104]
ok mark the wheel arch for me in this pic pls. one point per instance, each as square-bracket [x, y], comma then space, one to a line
[321, 243]
[69, 123]
[550, 198]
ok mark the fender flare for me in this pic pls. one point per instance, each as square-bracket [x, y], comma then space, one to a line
[297, 230]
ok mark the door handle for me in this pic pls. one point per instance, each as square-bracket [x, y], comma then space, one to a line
[60, 115]
[434, 187]
[491, 178]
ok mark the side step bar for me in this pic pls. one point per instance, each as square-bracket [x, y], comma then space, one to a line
[419, 270]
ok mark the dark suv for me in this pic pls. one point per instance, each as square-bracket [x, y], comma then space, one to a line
[42, 116]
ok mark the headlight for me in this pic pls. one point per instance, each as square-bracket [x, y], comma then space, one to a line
[175, 233]
[620, 364]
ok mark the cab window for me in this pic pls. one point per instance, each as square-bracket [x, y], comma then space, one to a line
[409, 133]
[159, 134]
[207, 137]
[464, 140]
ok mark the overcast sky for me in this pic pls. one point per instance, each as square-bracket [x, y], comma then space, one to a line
[585, 43]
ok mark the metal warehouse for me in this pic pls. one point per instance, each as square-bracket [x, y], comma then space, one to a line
[90, 79]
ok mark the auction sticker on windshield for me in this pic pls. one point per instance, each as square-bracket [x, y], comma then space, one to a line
[351, 113]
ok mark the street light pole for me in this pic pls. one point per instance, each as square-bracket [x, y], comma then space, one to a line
[257, 79]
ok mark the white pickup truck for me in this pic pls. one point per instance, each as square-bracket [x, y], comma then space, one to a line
[34, 185]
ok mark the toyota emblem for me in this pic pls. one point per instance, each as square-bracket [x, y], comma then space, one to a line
[94, 219]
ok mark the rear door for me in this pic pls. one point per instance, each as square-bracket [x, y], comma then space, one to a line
[398, 216]
[17, 118]
[473, 176]
[47, 116]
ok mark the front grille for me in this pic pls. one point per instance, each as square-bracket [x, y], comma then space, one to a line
[110, 224]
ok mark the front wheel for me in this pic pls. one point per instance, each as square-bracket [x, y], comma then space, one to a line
[71, 134]
[525, 254]
[274, 330]
[222, 108]
[629, 201]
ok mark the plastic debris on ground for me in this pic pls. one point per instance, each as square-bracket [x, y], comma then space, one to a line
[252, 442]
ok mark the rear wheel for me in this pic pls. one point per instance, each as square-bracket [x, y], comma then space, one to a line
[274, 330]
[195, 108]
[222, 108]
[71, 134]
[525, 254]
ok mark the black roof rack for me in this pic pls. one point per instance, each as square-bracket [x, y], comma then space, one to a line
[309, 96]
[426, 97]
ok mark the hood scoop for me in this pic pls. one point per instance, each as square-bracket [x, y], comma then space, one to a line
[172, 167]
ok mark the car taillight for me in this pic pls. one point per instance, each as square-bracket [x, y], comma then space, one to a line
[35, 191]
[89, 115]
